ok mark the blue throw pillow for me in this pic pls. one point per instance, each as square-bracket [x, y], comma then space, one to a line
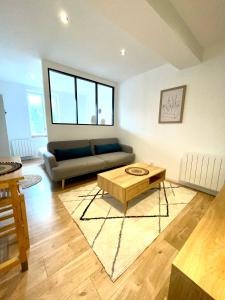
[64, 154]
[107, 148]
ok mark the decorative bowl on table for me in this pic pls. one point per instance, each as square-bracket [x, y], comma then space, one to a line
[136, 171]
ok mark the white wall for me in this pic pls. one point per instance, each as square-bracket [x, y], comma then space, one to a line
[17, 117]
[70, 132]
[203, 127]
[15, 102]
[4, 142]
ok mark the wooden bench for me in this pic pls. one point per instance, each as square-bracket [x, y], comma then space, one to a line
[198, 271]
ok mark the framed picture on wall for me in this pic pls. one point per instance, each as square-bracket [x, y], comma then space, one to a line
[172, 105]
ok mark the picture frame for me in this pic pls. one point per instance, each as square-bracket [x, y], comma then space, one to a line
[172, 104]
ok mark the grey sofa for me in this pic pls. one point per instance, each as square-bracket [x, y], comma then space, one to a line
[61, 170]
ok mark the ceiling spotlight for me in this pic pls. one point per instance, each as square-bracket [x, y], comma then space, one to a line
[123, 52]
[64, 17]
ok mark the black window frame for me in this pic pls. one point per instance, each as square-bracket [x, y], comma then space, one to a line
[76, 102]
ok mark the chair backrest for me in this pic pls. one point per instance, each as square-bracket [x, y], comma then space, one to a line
[4, 190]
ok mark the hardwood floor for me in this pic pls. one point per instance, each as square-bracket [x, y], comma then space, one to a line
[63, 266]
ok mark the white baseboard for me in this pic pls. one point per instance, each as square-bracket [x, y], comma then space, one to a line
[194, 186]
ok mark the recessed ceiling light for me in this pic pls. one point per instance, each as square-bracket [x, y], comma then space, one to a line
[64, 17]
[122, 52]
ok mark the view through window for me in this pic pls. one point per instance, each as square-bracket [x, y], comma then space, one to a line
[37, 114]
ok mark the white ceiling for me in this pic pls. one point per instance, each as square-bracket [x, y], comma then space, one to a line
[31, 30]
[205, 18]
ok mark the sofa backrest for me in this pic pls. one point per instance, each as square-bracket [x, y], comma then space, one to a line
[67, 144]
[102, 142]
[80, 143]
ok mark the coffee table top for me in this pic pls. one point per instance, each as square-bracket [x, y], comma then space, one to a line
[121, 178]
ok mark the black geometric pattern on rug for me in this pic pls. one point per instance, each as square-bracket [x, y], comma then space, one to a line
[83, 218]
[118, 247]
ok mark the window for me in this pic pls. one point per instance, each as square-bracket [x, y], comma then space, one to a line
[63, 98]
[86, 102]
[105, 105]
[37, 114]
[80, 101]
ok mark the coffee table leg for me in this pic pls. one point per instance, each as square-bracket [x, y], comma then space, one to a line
[164, 189]
[125, 208]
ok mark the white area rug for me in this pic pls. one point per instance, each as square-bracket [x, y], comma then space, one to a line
[118, 240]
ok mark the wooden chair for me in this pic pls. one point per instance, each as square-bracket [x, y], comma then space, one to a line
[12, 206]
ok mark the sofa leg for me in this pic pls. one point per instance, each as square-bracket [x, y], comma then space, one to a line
[63, 184]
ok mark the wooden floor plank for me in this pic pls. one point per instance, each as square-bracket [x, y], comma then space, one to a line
[62, 283]
[86, 291]
[47, 246]
[65, 254]
[16, 284]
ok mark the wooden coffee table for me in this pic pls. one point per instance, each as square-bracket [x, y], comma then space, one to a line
[124, 187]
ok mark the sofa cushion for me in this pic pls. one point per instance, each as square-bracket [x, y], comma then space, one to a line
[76, 167]
[67, 145]
[116, 158]
[64, 154]
[107, 148]
[102, 141]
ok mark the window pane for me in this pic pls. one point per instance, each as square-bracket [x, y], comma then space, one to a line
[36, 114]
[105, 101]
[86, 102]
[63, 98]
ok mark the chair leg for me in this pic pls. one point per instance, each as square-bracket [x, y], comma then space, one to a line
[24, 266]
[21, 242]
[24, 220]
[160, 186]
[20, 233]
[63, 184]
[125, 208]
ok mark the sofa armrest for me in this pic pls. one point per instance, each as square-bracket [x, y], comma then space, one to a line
[126, 148]
[50, 161]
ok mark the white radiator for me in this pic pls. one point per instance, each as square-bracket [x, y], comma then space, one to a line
[23, 148]
[206, 171]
